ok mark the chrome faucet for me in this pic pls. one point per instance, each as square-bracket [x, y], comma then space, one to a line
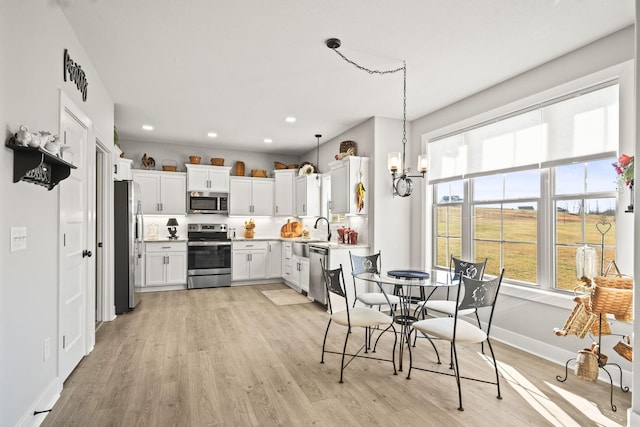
[328, 230]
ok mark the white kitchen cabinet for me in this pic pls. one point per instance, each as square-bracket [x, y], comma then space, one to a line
[251, 196]
[213, 179]
[287, 262]
[122, 169]
[249, 260]
[300, 272]
[284, 191]
[274, 259]
[345, 175]
[308, 195]
[165, 263]
[162, 193]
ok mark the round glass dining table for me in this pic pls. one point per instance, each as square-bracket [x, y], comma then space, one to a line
[410, 286]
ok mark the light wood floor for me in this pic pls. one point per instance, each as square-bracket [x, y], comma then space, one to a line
[230, 357]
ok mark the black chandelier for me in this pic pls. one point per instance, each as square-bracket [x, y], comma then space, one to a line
[396, 163]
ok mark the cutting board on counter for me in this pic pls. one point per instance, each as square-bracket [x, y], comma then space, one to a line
[291, 229]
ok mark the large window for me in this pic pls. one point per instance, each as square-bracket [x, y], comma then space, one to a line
[529, 211]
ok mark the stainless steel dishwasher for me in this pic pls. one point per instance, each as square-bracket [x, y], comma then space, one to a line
[317, 290]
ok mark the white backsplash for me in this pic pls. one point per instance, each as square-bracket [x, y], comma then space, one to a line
[265, 226]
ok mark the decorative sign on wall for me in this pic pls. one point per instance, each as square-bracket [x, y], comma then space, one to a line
[76, 74]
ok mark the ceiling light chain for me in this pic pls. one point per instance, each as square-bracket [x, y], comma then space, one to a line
[401, 183]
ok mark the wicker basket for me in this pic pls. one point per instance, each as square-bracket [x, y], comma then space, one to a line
[195, 160]
[279, 165]
[258, 173]
[587, 363]
[169, 166]
[611, 300]
[345, 145]
[292, 166]
[624, 349]
[239, 168]
[617, 281]
[580, 321]
[217, 161]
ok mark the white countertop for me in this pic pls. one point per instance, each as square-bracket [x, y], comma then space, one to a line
[311, 242]
[165, 240]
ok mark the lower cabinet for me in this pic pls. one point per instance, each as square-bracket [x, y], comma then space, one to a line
[287, 253]
[274, 259]
[165, 263]
[249, 260]
[300, 272]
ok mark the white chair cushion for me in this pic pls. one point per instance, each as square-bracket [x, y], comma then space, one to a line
[362, 316]
[377, 298]
[444, 306]
[442, 327]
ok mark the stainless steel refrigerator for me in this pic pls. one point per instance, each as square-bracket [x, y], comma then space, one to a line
[128, 244]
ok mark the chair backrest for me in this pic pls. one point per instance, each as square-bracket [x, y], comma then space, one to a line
[334, 283]
[365, 264]
[458, 267]
[478, 293]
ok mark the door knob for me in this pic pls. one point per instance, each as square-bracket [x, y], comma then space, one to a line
[86, 253]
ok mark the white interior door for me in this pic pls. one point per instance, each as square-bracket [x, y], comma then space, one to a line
[75, 264]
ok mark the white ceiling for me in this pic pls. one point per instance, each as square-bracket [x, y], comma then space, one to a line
[238, 68]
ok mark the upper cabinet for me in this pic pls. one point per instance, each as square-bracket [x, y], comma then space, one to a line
[308, 195]
[122, 169]
[163, 193]
[284, 191]
[208, 178]
[251, 196]
[346, 174]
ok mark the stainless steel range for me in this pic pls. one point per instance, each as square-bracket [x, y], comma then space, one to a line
[209, 256]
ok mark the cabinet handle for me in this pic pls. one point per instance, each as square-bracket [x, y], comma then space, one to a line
[304, 207]
[276, 208]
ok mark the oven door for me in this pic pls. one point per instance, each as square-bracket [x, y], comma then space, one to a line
[208, 258]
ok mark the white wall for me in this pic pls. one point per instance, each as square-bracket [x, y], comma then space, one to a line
[33, 36]
[526, 319]
[390, 217]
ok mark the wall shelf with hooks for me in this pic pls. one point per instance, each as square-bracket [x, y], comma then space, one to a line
[38, 166]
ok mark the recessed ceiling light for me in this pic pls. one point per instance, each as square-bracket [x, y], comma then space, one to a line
[147, 127]
[268, 140]
[290, 119]
[212, 134]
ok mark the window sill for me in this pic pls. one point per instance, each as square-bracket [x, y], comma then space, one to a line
[540, 296]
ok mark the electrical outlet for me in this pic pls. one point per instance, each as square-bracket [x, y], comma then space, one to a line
[47, 348]
[18, 239]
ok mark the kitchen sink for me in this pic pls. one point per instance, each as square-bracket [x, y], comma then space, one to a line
[301, 249]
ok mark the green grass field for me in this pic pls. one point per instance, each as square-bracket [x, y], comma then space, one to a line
[520, 241]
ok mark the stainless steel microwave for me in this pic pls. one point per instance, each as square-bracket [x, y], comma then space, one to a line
[202, 202]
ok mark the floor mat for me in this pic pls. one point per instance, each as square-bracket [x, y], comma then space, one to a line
[285, 297]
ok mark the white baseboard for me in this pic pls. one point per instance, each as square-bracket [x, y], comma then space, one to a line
[47, 399]
[556, 355]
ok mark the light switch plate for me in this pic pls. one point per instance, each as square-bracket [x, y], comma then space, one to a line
[18, 239]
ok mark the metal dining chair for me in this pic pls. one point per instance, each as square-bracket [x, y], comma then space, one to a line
[352, 317]
[370, 264]
[472, 295]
